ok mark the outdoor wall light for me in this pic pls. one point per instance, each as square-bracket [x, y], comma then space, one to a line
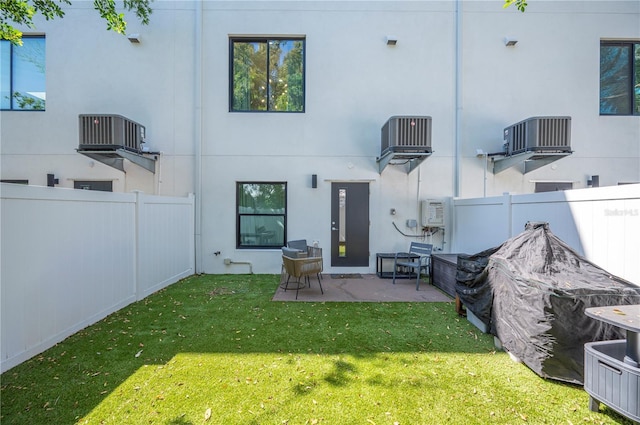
[392, 40]
[52, 180]
[594, 181]
[134, 38]
[314, 181]
[510, 41]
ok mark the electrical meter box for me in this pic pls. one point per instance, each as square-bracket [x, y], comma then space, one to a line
[432, 213]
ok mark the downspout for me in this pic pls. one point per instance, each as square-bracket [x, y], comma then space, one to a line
[198, 135]
[458, 99]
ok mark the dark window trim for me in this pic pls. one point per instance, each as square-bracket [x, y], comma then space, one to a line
[238, 214]
[630, 44]
[251, 39]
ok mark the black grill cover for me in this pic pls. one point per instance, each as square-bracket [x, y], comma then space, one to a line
[532, 291]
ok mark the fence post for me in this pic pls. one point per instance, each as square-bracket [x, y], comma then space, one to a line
[508, 211]
[136, 244]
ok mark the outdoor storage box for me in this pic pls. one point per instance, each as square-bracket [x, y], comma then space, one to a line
[609, 380]
[444, 272]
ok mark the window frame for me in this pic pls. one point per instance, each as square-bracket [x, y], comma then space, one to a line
[12, 74]
[266, 40]
[239, 215]
[634, 103]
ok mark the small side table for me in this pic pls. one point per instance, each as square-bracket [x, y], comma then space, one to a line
[380, 263]
[626, 317]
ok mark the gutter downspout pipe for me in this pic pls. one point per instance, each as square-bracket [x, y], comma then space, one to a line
[198, 134]
[458, 99]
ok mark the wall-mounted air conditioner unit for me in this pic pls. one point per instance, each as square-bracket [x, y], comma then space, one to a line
[406, 134]
[110, 132]
[539, 134]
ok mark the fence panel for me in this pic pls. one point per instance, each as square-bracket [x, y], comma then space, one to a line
[71, 257]
[602, 224]
[165, 241]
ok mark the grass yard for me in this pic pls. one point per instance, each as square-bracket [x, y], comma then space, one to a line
[215, 349]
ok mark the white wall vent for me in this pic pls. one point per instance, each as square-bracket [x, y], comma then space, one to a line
[406, 134]
[107, 132]
[539, 134]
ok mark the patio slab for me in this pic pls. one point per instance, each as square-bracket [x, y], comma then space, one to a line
[366, 288]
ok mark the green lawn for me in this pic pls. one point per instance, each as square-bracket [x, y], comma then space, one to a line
[215, 349]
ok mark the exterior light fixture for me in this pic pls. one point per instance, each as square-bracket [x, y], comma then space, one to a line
[510, 41]
[392, 40]
[134, 38]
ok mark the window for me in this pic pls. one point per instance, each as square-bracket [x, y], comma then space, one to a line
[262, 215]
[101, 185]
[266, 75]
[22, 79]
[15, 181]
[619, 78]
[552, 186]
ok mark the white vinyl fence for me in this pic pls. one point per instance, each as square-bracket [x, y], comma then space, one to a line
[72, 257]
[602, 224]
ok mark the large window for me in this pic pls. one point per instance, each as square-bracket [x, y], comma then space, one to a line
[266, 75]
[22, 80]
[262, 215]
[619, 78]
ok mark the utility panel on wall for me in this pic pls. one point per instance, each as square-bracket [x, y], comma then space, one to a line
[432, 213]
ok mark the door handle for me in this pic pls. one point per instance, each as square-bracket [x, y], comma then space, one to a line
[333, 228]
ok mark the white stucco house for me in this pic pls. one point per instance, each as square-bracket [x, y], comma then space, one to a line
[271, 113]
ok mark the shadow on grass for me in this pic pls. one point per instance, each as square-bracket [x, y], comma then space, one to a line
[229, 315]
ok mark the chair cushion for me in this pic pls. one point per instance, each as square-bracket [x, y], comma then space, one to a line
[292, 253]
[300, 245]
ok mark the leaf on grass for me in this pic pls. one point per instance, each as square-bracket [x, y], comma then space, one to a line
[138, 353]
[207, 414]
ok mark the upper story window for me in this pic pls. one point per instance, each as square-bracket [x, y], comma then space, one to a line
[266, 74]
[262, 215]
[619, 78]
[22, 76]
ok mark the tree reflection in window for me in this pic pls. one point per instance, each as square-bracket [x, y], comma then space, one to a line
[267, 75]
[262, 212]
[22, 79]
[619, 78]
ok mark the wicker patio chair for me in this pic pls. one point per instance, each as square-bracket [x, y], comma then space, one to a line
[300, 268]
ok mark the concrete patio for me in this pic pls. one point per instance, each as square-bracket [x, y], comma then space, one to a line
[362, 288]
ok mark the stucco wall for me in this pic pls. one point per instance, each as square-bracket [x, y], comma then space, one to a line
[354, 83]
